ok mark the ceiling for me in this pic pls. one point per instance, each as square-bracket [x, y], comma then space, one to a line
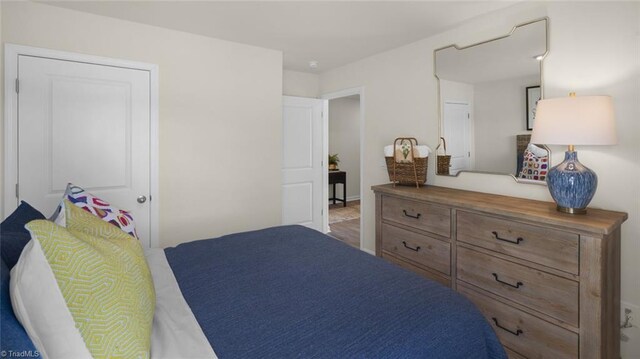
[332, 33]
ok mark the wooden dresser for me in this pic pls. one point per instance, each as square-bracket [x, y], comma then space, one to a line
[548, 282]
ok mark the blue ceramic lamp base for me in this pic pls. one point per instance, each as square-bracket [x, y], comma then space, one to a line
[572, 185]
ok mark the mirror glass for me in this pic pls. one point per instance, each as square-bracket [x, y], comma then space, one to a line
[487, 98]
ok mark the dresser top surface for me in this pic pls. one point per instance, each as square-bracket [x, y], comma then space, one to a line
[596, 221]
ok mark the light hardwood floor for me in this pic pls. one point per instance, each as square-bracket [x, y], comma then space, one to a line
[347, 231]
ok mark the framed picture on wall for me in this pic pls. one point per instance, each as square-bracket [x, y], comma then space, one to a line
[533, 96]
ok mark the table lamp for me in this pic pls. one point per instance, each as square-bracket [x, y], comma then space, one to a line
[584, 120]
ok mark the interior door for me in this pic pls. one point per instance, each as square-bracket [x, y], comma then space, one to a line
[302, 179]
[87, 124]
[457, 133]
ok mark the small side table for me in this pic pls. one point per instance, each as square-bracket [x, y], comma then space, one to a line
[338, 177]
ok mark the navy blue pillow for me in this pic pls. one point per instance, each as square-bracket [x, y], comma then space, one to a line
[13, 235]
[13, 337]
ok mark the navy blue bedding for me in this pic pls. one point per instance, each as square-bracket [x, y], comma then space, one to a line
[290, 292]
[13, 337]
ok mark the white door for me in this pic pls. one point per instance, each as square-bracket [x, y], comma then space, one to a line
[302, 179]
[87, 124]
[457, 133]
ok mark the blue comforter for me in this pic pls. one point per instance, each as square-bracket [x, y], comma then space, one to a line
[291, 292]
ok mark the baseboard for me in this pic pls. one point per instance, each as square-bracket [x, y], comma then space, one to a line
[368, 251]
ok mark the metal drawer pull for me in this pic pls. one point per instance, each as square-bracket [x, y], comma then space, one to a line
[417, 216]
[518, 284]
[516, 333]
[517, 241]
[413, 249]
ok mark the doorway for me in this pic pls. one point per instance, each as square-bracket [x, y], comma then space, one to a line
[457, 132]
[344, 134]
[74, 118]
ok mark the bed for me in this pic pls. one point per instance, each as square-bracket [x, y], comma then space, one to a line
[290, 291]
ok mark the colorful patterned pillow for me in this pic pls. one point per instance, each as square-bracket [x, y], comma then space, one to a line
[84, 291]
[96, 206]
[534, 167]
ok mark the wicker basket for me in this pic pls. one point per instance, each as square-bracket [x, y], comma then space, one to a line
[407, 174]
[444, 161]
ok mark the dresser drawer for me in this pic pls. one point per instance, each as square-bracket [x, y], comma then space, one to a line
[438, 277]
[544, 292]
[423, 250]
[424, 216]
[536, 339]
[549, 247]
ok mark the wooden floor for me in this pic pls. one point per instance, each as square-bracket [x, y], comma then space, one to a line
[346, 231]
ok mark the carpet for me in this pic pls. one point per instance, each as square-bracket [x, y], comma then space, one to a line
[342, 214]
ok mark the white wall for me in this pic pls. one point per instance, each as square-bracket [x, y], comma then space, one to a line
[1, 111]
[594, 49]
[344, 139]
[500, 115]
[452, 91]
[301, 84]
[220, 115]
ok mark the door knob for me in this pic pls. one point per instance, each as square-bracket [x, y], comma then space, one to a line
[142, 199]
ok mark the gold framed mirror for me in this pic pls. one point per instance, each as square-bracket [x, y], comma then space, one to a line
[487, 95]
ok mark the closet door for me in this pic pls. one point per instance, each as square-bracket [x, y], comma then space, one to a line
[87, 124]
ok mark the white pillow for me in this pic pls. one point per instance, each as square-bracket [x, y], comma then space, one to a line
[48, 322]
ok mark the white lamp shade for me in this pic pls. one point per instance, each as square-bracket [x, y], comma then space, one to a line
[584, 120]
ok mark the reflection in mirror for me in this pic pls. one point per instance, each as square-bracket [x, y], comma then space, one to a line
[487, 97]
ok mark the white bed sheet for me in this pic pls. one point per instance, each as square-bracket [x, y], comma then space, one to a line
[176, 332]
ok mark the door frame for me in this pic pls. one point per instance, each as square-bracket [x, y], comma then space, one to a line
[325, 138]
[10, 167]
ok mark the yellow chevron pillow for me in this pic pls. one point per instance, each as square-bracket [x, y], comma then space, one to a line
[103, 277]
